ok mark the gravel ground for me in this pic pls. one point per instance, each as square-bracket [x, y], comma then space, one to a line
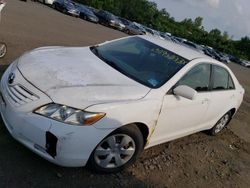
[194, 161]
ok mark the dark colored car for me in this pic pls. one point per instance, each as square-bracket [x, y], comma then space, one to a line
[209, 52]
[67, 7]
[133, 29]
[125, 21]
[94, 10]
[165, 36]
[108, 19]
[87, 14]
[234, 59]
[220, 56]
[224, 58]
[193, 46]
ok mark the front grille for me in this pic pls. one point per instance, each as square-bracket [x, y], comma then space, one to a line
[19, 95]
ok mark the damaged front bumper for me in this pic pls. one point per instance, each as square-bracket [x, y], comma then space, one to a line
[62, 144]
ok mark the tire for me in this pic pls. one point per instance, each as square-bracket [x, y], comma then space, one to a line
[221, 124]
[64, 11]
[3, 49]
[127, 31]
[53, 6]
[117, 151]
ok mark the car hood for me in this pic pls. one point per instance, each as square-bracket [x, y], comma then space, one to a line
[76, 77]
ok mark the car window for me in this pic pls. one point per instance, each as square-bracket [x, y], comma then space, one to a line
[222, 79]
[230, 83]
[198, 78]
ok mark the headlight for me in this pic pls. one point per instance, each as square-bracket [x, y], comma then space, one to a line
[69, 115]
[112, 21]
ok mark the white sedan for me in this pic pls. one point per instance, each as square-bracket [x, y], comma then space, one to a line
[102, 105]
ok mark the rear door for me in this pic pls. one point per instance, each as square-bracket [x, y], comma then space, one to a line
[223, 94]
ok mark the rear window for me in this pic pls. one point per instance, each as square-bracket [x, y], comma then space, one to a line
[222, 79]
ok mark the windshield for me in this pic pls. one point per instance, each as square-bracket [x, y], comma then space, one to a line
[140, 60]
[86, 10]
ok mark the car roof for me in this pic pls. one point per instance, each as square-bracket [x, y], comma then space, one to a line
[178, 49]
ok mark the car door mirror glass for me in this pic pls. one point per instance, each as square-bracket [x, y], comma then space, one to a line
[185, 91]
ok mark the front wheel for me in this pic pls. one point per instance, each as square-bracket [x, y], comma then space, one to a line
[117, 151]
[127, 32]
[221, 124]
[54, 6]
[64, 11]
[3, 49]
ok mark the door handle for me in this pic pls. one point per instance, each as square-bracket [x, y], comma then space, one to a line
[206, 100]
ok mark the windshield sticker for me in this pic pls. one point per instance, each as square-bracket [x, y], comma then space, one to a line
[170, 56]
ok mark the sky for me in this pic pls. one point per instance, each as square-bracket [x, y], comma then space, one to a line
[232, 16]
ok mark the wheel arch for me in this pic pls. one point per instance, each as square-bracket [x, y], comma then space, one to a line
[144, 129]
[233, 111]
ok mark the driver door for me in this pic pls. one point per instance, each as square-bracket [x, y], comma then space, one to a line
[180, 116]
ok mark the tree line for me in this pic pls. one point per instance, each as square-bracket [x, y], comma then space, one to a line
[147, 13]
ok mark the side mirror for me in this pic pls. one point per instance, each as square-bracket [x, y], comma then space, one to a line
[185, 91]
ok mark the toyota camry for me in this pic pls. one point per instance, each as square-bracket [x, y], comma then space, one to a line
[103, 105]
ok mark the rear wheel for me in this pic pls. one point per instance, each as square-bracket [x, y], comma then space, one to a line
[117, 151]
[221, 124]
[3, 49]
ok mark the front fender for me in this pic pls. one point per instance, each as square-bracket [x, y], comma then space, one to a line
[119, 114]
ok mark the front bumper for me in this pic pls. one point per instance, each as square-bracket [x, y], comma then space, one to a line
[92, 19]
[116, 26]
[59, 143]
[73, 13]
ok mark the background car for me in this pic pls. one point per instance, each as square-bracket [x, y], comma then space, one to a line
[149, 31]
[133, 29]
[165, 36]
[86, 13]
[124, 21]
[193, 46]
[67, 7]
[245, 63]
[234, 59]
[208, 51]
[108, 19]
[224, 58]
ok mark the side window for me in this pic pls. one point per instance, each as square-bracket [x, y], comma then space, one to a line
[197, 78]
[222, 79]
[230, 83]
